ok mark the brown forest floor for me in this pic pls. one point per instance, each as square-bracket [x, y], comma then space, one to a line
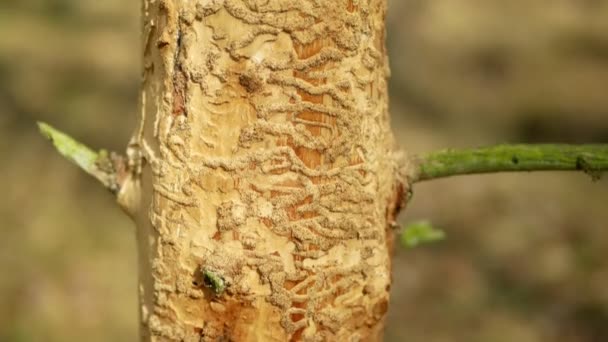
[527, 255]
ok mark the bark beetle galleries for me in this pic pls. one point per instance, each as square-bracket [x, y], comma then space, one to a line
[277, 179]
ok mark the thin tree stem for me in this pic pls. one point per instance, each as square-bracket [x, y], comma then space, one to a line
[101, 164]
[591, 159]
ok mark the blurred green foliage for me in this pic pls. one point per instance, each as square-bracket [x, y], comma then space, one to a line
[419, 233]
[527, 257]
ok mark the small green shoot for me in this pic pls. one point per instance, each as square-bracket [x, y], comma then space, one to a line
[76, 152]
[97, 164]
[421, 232]
[214, 281]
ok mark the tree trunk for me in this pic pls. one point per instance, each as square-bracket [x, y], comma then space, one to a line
[268, 183]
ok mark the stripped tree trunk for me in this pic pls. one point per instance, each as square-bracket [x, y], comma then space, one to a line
[264, 181]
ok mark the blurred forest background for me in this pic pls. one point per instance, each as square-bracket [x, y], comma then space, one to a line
[526, 257]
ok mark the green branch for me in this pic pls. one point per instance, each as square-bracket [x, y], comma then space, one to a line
[98, 164]
[591, 159]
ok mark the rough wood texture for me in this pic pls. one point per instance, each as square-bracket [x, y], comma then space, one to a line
[269, 165]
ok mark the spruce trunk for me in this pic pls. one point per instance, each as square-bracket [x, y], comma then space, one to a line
[268, 185]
